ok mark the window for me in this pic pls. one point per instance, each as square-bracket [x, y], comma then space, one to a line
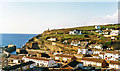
[37, 64]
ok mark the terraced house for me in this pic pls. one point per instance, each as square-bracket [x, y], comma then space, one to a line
[114, 64]
[94, 62]
[64, 57]
[43, 62]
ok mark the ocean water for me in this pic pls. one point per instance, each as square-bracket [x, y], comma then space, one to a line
[16, 39]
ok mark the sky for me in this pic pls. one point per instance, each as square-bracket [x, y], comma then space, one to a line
[36, 17]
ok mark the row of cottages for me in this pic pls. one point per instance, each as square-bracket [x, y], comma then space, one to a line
[94, 62]
[75, 32]
[42, 62]
[79, 43]
[15, 59]
[64, 57]
[114, 64]
[89, 51]
[108, 33]
[115, 32]
[110, 55]
[38, 61]
[96, 46]
[20, 67]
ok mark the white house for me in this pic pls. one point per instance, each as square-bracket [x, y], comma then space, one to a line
[99, 31]
[112, 55]
[96, 51]
[114, 64]
[96, 56]
[115, 32]
[16, 59]
[79, 43]
[97, 27]
[75, 32]
[113, 38]
[84, 51]
[96, 46]
[75, 43]
[93, 62]
[65, 41]
[42, 62]
[63, 57]
[52, 39]
[101, 54]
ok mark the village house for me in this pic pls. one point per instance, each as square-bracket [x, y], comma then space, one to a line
[101, 54]
[79, 43]
[52, 39]
[96, 56]
[75, 43]
[42, 62]
[96, 51]
[65, 41]
[114, 32]
[64, 57]
[75, 32]
[113, 38]
[79, 56]
[53, 43]
[84, 51]
[106, 32]
[98, 31]
[94, 62]
[83, 43]
[114, 64]
[96, 46]
[15, 59]
[97, 27]
[112, 55]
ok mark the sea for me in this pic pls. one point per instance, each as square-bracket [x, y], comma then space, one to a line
[16, 39]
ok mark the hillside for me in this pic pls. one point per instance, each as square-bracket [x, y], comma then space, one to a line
[88, 34]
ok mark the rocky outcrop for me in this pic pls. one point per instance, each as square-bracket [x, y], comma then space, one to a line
[10, 48]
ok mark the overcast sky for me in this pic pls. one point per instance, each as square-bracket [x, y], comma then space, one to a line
[35, 17]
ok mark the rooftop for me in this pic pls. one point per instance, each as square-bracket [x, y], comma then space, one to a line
[115, 62]
[62, 55]
[36, 58]
[16, 57]
[93, 59]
